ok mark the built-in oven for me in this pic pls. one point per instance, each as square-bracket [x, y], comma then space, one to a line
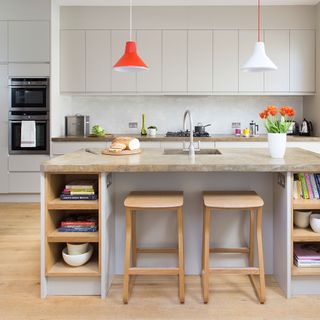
[29, 94]
[41, 137]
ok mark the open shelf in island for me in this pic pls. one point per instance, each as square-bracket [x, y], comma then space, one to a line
[305, 235]
[306, 204]
[61, 269]
[58, 204]
[56, 236]
[305, 271]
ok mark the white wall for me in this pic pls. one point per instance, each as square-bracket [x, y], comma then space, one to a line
[115, 112]
[312, 103]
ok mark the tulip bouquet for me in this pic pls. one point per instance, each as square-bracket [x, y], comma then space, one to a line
[277, 121]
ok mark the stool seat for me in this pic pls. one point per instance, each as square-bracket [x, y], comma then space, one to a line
[154, 200]
[232, 200]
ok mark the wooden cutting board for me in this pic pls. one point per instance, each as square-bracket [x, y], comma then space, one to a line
[122, 153]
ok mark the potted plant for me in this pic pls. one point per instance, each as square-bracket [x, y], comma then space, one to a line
[277, 123]
[152, 131]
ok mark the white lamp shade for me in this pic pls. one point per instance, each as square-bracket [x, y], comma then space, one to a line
[259, 61]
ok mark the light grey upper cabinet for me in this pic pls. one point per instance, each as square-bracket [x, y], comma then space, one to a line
[29, 41]
[149, 49]
[121, 81]
[72, 61]
[302, 61]
[174, 61]
[277, 48]
[248, 81]
[98, 61]
[225, 61]
[199, 61]
[3, 41]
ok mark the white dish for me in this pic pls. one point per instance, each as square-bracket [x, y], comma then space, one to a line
[77, 260]
[302, 218]
[77, 248]
[315, 222]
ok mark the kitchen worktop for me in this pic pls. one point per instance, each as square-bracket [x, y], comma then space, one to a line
[214, 138]
[153, 160]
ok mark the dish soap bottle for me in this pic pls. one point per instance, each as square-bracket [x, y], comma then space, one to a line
[143, 129]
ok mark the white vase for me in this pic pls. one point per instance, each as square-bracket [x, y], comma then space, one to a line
[277, 145]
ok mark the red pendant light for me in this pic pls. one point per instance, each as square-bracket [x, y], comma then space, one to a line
[130, 61]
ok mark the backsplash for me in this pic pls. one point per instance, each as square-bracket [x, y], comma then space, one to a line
[166, 112]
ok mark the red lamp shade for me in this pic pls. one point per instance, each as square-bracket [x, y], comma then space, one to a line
[130, 61]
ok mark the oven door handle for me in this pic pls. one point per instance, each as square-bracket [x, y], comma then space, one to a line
[28, 87]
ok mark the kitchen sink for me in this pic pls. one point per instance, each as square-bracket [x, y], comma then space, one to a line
[197, 152]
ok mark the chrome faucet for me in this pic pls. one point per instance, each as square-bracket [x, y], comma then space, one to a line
[191, 146]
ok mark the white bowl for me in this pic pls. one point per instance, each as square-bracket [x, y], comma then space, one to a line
[77, 248]
[315, 222]
[302, 218]
[77, 260]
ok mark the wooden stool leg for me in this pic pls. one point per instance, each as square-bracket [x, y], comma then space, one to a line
[206, 255]
[181, 255]
[134, 239]
[262, 295]
[127, 257]
[251, 241]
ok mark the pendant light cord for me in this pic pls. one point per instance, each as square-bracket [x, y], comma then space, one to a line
[130, 20]
[259, 20]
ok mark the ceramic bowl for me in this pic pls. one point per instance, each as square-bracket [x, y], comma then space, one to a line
[77, 248]
[302, 218]
[77, 260]
[315, 222]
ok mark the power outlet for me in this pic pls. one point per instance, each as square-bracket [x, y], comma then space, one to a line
[236, 125]
[133, 125]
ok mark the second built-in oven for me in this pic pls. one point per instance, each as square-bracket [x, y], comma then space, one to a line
[29, 94]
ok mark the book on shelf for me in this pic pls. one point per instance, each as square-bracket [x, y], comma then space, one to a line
[82, 184]
[78, 229]
[307, 254]
[77, 223]
[78, 197]
[306, 186]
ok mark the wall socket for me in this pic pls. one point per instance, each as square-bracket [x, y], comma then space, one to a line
[236, 125]
[133, 125]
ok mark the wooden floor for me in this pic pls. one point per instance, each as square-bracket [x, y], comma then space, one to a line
[152, 297]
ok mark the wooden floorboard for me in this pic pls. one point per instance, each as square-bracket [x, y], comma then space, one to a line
[154, 297]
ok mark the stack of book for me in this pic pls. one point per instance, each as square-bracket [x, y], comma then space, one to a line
[79, 223]
[80, 190]
[306, 186]
[307, 255]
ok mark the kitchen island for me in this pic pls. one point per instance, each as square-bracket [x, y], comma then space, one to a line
[233, 169]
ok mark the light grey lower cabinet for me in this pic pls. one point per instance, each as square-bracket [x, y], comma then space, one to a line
[4, 174]
[59, 148]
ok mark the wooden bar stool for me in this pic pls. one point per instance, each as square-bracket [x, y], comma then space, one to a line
[247, 200]
[146, 201]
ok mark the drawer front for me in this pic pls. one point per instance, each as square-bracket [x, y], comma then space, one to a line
[24, 182]
[311, 146]
[59, 148]
[26, 163]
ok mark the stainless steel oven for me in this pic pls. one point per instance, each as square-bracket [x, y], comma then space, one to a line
[29, 94]
[42, 136]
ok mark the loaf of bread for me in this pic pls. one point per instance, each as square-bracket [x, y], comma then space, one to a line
[117, 147]
[127, 142]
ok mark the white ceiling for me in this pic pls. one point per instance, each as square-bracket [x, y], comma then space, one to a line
[186, 2]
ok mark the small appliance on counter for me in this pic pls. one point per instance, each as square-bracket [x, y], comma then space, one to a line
[77, 125]
[306, 128]
[294, 128]
[254, 129]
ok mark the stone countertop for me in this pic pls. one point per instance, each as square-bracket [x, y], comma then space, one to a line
[153, 160]
[159, 138]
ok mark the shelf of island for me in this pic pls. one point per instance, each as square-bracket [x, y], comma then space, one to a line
[56, 209]
[304, 235]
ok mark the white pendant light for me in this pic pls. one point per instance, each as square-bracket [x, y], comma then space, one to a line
[130, 61]
[259, 61]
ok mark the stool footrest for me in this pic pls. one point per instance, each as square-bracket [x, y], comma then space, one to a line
[229, 250]
[157, 250]
[235, 271]
[154, 271]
